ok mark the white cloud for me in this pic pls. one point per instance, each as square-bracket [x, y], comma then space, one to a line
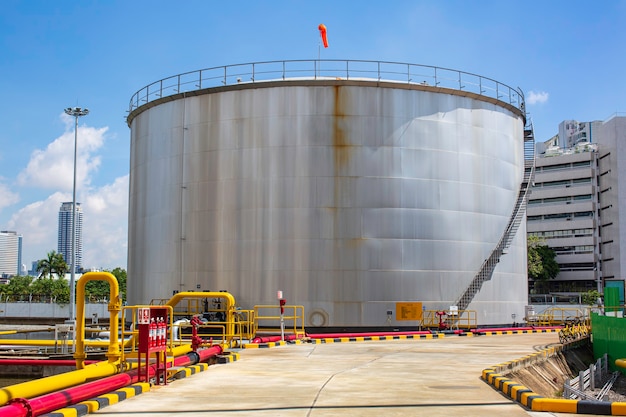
[8, 197]
[53, 168]
[37, 223]
[105, 209]
[105, 226]
[535, 97]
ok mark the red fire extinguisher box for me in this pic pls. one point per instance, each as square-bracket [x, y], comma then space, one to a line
[152, 324]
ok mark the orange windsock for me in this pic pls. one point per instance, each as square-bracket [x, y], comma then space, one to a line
[322, 29]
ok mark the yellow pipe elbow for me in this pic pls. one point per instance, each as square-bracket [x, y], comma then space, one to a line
[230, 304]
[113, 353]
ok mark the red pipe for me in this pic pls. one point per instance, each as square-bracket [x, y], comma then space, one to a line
[42, 362]
[507, 329]
[368, 334]
[206, 354]
[269, 339]
[22, 407]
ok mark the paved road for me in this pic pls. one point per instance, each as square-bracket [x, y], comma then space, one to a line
[431, 377]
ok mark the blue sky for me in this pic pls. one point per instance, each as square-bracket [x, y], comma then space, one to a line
[567, 57]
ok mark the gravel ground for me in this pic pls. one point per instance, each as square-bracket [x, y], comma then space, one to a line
[616, 394]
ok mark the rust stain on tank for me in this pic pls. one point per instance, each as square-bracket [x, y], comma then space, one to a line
[341, 145]
[342, 153]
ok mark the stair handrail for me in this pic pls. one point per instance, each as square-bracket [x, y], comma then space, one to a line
[488, 266]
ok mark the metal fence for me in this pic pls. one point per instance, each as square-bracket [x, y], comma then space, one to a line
[257, 72]
[596, 376]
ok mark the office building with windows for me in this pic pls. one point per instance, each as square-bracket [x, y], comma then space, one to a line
[574, 207]
[65, 234]
[10, 253]
[562, 210]
[612, 191]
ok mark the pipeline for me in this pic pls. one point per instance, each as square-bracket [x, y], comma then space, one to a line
[21, 407]
[229, 300]
[518, 329]
[65, 380]
[83, 373]
[364, 334]
[53, 343]
[60, 381]
[269, 339]
[41, 362]
[113, 353]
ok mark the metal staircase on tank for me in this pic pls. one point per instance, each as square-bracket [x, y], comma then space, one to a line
[486, 269]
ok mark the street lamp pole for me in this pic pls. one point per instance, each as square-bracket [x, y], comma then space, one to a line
[76, 112]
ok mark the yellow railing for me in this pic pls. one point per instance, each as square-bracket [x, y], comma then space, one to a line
[558, 316]
[267, 318]
[245, 324]
[465, 319]
[186, 307]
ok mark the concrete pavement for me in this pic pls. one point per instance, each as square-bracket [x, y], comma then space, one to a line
[434, 377]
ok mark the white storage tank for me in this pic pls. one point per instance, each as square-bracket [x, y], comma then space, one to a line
[348, 185]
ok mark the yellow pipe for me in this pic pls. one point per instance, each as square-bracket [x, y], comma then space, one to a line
[620, 363]
[102, 369]
[181, 350]
[58, 382]
[113, 354]
[52, 343]
[230, 305]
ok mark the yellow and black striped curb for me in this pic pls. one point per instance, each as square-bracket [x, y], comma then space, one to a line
[97, 403]
[501, 332]
[528, 398]
[190, 370]
[377, 338]
[271, 344]
[394, 337]
[227, 357]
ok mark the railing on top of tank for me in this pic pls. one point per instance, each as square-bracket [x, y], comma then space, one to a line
[327, 69]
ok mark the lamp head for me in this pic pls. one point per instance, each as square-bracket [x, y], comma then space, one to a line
[76, 111]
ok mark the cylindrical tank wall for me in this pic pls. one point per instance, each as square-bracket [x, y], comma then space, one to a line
[348, 198]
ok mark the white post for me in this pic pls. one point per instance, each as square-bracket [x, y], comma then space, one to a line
[281, 302]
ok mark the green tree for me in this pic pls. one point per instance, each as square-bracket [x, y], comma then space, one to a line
[120, 274]
[53, 264]
[542, 265]
[56, 289]
[18, 286]
[591, 297]
[100, 290]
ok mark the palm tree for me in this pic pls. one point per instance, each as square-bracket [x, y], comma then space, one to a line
[53, 264]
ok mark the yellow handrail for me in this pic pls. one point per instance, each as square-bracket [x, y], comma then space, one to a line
[296, 318]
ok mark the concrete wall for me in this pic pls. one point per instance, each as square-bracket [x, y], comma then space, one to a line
[49, 310]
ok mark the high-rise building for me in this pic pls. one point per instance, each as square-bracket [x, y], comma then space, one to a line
[562, 211]
[65, 234]
[574, 204]
[10, 253]
[611, 136]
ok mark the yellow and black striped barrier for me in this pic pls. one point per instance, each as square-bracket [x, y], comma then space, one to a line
[535, 402]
